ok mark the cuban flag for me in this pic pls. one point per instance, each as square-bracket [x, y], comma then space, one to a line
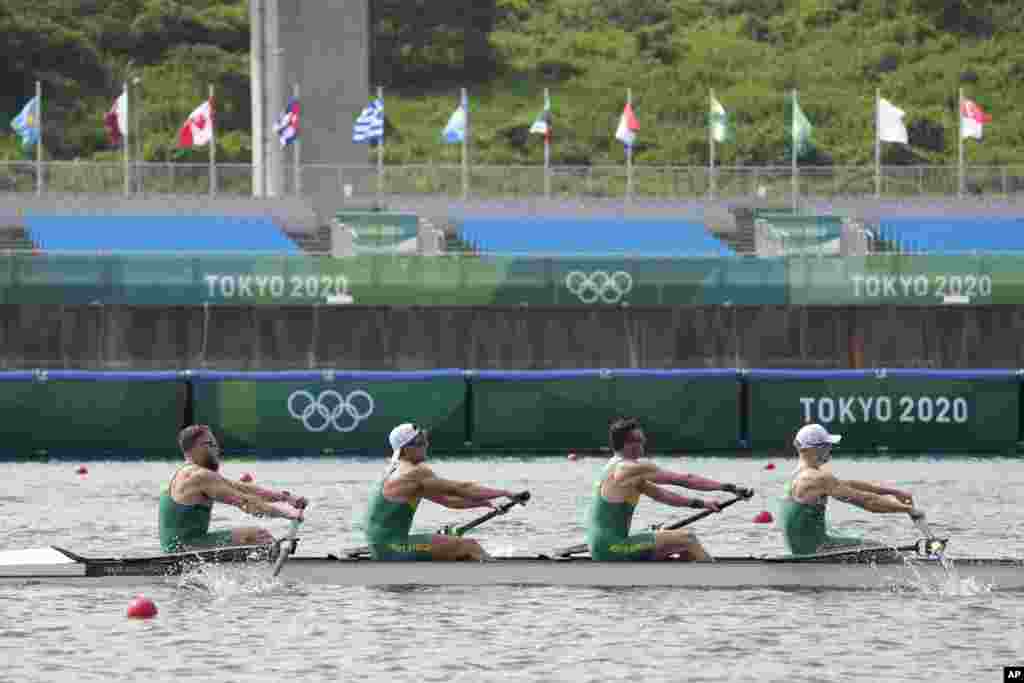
[287, 126]
[628, 126]
[369, 127]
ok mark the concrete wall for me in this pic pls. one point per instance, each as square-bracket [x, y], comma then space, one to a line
[270, 338]
[326, 45]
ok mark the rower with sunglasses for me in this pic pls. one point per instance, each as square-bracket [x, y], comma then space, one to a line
[187, 500]
[802, 508]
[616, 494]
[396, 496]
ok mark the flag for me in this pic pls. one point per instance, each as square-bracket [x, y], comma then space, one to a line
[369, 127]
[721, 128]
[116, 120]
[197, 130]
[890, 122]
[455, 131]
[800, 128]
[26, 124]
[628, 126]
[287, 126]
[972, 119]
[542, 126]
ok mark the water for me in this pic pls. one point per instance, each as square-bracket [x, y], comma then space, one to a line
[243, 626]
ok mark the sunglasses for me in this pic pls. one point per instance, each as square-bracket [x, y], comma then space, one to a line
[420, 440]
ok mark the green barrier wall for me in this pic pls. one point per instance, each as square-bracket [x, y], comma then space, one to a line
[91, 414]
[909, 411]
[682, 410]
[275, 413]
[407, 280]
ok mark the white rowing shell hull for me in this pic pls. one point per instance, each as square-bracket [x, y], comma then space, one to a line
[51, 565]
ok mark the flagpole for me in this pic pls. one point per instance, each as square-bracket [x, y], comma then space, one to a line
[39, 143]
[124, 142]
[213, 145]
[380, 150]
[711, 146]
[878, 144]
[547, 147]
[629, 153]
[960, 143]
[792, 135]
[297, 152]
[465, 148]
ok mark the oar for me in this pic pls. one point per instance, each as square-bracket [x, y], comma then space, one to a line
[930, 546]
[582, 547]
[282, 553]
[518, 499]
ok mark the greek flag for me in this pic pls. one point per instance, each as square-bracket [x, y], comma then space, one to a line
[369, 127]
[455, 131]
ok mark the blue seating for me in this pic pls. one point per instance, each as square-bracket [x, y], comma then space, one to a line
[938, 235]
[158, 233]
[541, 235]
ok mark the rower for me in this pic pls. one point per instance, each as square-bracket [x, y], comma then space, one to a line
[187, 500]
[617, 492]
[396, 496]
[802, 508]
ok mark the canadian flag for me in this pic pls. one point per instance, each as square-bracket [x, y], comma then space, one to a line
[628, 126]
[972, 118]
[198, 128]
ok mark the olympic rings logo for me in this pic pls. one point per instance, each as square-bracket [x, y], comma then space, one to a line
[330, 409]
[599, 285]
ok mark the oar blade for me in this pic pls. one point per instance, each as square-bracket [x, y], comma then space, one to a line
[286, 549]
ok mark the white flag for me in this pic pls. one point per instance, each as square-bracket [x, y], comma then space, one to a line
[890, 122]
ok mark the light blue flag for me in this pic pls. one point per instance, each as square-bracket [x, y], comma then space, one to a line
[455, 131]
[26, 124]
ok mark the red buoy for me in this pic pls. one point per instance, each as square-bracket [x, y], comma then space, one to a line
[141, 608]
[770, 466]
[573, 456]
[82, 469]
[763, 517]
[246, 477]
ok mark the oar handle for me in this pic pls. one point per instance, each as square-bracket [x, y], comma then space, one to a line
[701, 515]
[518, 499]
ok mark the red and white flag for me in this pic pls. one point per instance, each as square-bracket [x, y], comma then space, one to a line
[628, 126]
[972, 119]
[116, 120]
[198, 128]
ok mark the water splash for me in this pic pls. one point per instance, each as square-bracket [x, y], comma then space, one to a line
[223, 581]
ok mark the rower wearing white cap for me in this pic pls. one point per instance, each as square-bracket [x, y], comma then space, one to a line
[396, 496]
[802, 514]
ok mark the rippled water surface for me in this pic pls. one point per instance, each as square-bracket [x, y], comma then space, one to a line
[243, 626]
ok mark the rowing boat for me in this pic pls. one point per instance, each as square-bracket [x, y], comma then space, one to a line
[846, 570]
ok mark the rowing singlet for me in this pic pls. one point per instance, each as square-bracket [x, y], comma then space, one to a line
[388, 521]
[804, 527]
[608, 522]
[181, 525]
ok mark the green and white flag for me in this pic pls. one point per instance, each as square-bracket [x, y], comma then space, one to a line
[718, 119]
[800, 128]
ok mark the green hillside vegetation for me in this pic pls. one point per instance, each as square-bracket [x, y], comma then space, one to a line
[588, 52]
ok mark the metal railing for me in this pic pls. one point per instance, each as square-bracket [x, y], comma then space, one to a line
[504, 182]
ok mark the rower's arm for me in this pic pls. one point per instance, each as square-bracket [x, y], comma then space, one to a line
[878, 489]
[872, 502]
[432, 486]
[459, 503]
[690, 481]
[217, 488]
[661, 495]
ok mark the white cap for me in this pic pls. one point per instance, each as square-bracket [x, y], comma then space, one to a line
[815, 436]
[401, 436]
